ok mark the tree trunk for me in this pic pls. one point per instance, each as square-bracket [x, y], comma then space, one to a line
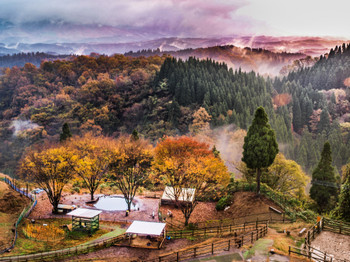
[187, 218]
[92, 195]
[258, 175]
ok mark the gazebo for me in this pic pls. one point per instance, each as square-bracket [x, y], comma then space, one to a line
[84, 219]
[146, 234]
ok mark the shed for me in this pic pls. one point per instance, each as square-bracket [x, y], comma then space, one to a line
[65, 208]
[146, 234]
[186, 195]
[85, 219]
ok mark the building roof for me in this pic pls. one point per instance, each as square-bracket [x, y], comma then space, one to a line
[84, 212]
[187, 194]
[146, 228]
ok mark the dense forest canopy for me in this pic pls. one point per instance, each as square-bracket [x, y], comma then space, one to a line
[162, 95]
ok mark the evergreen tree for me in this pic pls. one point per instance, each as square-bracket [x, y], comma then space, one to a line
[260, 146]
[65, 132]
[324, 124]
[135, 135]
[324, 187]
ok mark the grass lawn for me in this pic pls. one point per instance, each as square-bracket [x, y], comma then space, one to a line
[25, 245]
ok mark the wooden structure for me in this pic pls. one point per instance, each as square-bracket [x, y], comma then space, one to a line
[185, 196]
[84, 219]
[145, 235]
[61, 208]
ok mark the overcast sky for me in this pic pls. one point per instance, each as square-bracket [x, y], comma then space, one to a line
[55, 20]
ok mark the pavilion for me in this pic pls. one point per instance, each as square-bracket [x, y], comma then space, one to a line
[146, 234]
[84, 219]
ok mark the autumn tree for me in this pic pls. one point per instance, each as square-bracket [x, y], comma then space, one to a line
[130, 164]
[260, 146]
[50, 169]
[287, 177]
[324, 187]
[201, 120]
[184, 163]
[92, 159]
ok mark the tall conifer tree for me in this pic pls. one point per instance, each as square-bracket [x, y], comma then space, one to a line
[324, 187]
[260, 145]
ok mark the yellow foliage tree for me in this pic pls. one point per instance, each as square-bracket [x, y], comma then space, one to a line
[287, 176]
[92, 159]
[130, 164]
[50, 168]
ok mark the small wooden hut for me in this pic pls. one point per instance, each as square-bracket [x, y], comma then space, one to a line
[84, 219]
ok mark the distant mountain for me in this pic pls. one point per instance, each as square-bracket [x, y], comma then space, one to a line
[313, 46]
[248, 59]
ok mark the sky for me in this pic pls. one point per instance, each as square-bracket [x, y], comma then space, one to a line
[133, 20]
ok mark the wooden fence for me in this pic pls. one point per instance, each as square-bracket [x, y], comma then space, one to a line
[26, 211]
[217, 230]
[58, 254]
[271, 217]
[335, 226]
[214, 247]
[317, 255]
[258, 231]
[313, 254]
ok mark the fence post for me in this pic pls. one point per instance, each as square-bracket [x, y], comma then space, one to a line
[289, 250]
[252, 238]
[229, 244]
[194, 252]
[212, 248]
[177, 256]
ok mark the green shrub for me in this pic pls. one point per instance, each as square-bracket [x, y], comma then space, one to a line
[223, 203]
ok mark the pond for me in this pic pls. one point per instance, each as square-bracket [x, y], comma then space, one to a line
[114, 203]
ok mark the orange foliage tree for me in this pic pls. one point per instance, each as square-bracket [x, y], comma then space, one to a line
[130, 165]
[184, 162]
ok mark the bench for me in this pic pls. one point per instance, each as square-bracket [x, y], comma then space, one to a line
[302, 231]
[275, 210]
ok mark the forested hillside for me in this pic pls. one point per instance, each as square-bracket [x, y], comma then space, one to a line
[320, 107]
[162, 95]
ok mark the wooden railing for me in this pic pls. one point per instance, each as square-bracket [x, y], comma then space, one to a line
[72, 251]
[217, 230]
[213, 247]
[314, 254]
[26, 211]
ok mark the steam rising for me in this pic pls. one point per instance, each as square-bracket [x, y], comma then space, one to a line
[229, 141]
[22, 125]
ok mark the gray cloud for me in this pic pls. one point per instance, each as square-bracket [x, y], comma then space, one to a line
[78, 19]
